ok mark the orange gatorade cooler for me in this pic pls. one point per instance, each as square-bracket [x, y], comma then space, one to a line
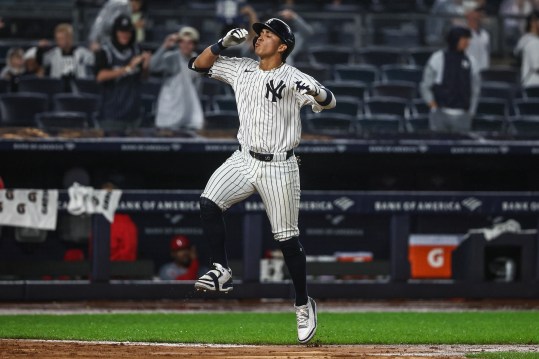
[430, 254]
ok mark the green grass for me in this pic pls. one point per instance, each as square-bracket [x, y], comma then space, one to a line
[280, 328]
[504, 355]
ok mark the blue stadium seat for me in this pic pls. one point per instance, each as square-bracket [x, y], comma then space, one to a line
[531, 92]
[224, 103]
[87, 103]
[53, 121]
[212, 87]
[489, 124]
[492, 107]
[420, 56]
[19, 109]
[331, 124]
[332, 55]
[355, 89]
[5, 86]
[364, 73]
[86, 86]
[347, 105]
[410, 73]
[401, 89]
[526, 125]
[380, 123]
[417, 123]
[507, 75]
[45, 85]
[386, 106]
[221, 120]
[526, 107]
[501, 90]
[319, 72]
[379, 56]
[419, 107]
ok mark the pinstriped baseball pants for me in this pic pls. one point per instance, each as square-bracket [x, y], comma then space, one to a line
[277, 182]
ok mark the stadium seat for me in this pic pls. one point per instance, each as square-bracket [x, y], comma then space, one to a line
[212, 87]
[526, 125]
[319, 72]
[410, 73]
[86, 86]
[420, 56]
[347, 105]
[401, 89]
[355, 89]
[499, 90]
[364, 73]
[331, 124]
[386, 106]
[221, 120]
[418, 122]
[379, 123]
[19, 109]
[531, 92]
[30, 235]
[526, 107]
[224, 103]
[61, 120]
[489, 123]
[419, 107]
[379, 56]
[205, 102]
[87, 103]
[500, 74]
[492, 107]
[45, 85]
[332, 55]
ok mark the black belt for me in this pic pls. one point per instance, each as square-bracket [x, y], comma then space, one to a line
[267, 157]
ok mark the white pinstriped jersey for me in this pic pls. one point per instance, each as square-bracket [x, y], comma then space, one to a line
[268, 102]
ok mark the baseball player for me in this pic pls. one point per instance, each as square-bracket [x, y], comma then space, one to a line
[269, 94]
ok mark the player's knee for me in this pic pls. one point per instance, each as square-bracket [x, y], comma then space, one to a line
[291, 247]
[209, 209]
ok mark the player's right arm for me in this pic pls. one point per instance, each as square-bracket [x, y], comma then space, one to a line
[207, 58]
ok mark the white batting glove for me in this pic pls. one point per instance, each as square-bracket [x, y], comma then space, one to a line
[308, 87]
[234, 37]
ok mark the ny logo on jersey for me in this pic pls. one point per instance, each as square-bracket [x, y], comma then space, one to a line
[276, 92]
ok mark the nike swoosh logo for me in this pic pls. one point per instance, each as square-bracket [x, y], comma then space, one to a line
[249, 70]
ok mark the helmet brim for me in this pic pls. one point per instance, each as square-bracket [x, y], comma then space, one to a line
[259, 26]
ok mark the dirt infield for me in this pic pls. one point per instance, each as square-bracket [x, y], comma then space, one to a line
[75, 349]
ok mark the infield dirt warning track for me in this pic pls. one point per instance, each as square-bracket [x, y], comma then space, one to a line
[11, 348]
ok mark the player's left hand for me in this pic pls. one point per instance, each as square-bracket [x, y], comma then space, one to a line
[308, 87]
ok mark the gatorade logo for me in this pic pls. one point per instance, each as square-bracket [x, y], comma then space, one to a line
[436, 258]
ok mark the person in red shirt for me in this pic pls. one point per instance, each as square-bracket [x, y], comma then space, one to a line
[185, 265]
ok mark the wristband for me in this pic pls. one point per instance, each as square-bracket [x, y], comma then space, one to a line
[217, 47]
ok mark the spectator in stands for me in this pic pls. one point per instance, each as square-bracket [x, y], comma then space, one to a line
[451, 84]
[439, 22]
[188, 40]
[302, 31]
[178, 106]
[14, 66]
[101, 29]
[31, 63]
[67, 61]
[185, 265]
[230, 14]
[120, 65]
[479, 47]
[528, 49]
[511, 10]
[139, 19]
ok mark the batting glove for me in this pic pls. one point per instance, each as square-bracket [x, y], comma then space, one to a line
[234, 37]
[308, 87]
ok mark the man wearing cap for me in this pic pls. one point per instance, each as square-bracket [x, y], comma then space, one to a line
[178, 106]
[269, 94]
[185, 265]
[120, 66]
[451, 84]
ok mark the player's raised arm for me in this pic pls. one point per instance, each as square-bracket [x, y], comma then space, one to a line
[208, 57]
[322, 95]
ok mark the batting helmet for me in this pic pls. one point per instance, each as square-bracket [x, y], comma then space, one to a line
[279, 28]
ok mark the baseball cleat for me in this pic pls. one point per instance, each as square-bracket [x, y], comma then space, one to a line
[306, 317]
[218, 279]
